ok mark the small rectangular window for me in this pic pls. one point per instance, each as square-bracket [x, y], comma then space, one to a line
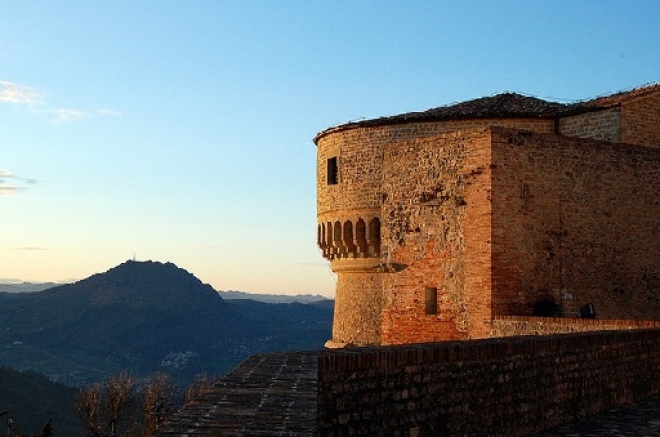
[431, 300]
[332, 171]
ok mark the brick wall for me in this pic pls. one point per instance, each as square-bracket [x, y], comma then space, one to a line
[513, 386]
[509, 326]
[360, 157]
[436, 225]
[640, 121]
[600, 125]
[575, 220]
[359, 195]
[496, 219]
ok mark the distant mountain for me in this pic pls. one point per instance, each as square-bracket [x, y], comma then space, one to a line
[272, 298]
[146, 317]
[26, 287]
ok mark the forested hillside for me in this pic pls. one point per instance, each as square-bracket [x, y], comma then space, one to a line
[146, 317]
[31, 400]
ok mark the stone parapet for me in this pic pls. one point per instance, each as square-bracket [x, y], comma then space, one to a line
[507, 326]
[514, 386]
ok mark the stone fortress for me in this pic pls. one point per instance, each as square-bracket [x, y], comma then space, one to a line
[466, 221]
[479, 221]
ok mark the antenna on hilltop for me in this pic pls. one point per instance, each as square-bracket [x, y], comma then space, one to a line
[134, 256]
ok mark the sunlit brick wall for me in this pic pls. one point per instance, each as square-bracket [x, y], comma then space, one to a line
[600, 125]
[436, 228]
[640, 121]
[575, 220]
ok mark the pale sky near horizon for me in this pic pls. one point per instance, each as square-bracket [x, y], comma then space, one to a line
[182, 131]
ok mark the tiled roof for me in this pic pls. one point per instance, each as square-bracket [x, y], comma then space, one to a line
[500, 105]
[503, 105]
[619, 98]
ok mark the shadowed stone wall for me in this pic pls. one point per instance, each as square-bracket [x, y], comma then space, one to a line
[513, 386]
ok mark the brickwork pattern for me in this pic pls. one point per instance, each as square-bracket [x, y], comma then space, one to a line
[640, 121]
[600, 125]
[510, 326]
[514, 386]
[575, 221]
[359, 195]
[497, 214]
[266, 395]
[360, 153]
[435, 210]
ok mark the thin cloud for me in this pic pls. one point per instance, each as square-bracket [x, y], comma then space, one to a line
[31, 248]
[65, 114]
[11, 92]
[11, 185]
[109, 112]
[14, 93]
[9, 190]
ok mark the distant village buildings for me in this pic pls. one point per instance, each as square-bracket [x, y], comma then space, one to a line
[472, 220]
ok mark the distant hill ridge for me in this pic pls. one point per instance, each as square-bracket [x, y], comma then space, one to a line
[26, 287]
[143, 284]
[273, 298]
[125, 269]
[147, 316]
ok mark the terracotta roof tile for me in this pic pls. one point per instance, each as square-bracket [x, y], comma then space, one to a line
[501, 106]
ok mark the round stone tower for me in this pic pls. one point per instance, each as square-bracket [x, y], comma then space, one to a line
[386, 292]
[348, 186]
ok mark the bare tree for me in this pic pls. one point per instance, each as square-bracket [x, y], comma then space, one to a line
[112, 408]
[104, 408]
[159, 402]
[120, 393]
[88, 405]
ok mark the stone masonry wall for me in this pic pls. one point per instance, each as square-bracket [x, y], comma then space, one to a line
[434, 228]
[360, 152]
[575, 221]
[358, 305]
[359, 195]
[640, 121]
[571, 220]
[508, 326]
[600, 125]
[513, 386]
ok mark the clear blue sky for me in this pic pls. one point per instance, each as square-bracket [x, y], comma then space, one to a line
[182, 130]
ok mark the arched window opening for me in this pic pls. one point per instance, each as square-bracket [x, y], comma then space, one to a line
[338, 244]
[361, 237]
[374, 236]
[348, 238]
[329, 249]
